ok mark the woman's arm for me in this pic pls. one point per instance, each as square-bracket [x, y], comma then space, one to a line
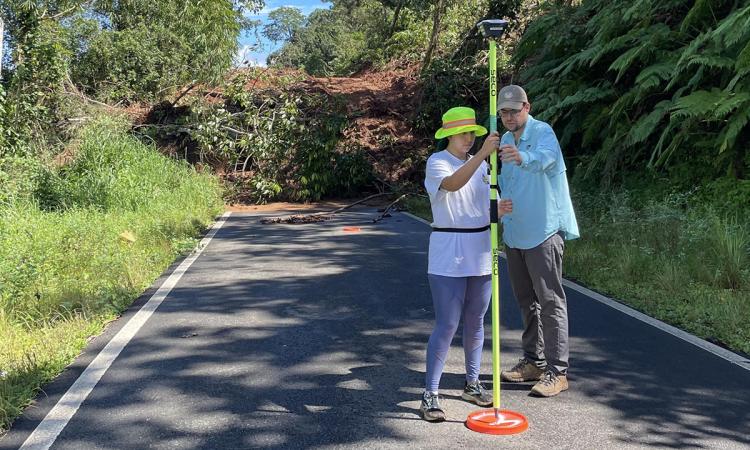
[462, 176]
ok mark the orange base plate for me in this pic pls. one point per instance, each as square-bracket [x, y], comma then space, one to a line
[506, 422]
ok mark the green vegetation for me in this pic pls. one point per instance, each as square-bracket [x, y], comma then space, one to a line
[645, 83]
[651, 101]
[90, 215]
[673, 258]
[683, 264]
[355, 35]
[284, 136]
[79, 244]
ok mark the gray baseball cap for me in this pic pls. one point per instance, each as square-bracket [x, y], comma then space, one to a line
[511, 97]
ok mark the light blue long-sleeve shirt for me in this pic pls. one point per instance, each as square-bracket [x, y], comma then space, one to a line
[538, 188]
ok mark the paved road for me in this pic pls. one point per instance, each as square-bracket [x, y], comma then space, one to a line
[306, 336]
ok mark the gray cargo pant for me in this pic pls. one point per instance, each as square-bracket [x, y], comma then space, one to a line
[536, 279]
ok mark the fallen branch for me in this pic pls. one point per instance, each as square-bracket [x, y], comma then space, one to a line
[387, 208]
[71, 89]
[192, 86]
[318, 216]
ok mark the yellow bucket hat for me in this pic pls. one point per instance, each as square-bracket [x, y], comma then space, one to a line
[459, 120]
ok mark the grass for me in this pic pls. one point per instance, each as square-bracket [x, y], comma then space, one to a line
[674, 259]
[66, 267]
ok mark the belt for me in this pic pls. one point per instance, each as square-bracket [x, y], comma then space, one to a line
[461, 230]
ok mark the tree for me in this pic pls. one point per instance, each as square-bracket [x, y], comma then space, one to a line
[335, 41]
[436, 17]
[145, 49]
[35, 72]
[2, 53]
[284, 22]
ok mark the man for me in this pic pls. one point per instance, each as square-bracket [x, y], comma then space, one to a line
[533, 178]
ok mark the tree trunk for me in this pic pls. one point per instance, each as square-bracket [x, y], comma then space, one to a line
[2, 31]
[395, 18]
[436, 17]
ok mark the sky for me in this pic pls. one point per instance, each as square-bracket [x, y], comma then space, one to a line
[257, 56]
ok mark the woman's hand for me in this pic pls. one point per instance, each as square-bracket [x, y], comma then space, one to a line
[490, 145]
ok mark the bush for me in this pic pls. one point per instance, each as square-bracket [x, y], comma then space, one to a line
[130, 65]
[69, 254]
[21, 178]
[279, 142]
[114, 221]
[113, 171]
[445, 85]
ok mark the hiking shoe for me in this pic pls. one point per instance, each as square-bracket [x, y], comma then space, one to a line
[550, 384]
[430, 409]
[476, 393]
[525, 370]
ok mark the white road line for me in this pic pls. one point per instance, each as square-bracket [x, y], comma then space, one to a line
[50, 427]
[685, 336]
[676, 332]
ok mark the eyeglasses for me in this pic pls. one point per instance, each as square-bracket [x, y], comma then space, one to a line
[510, 112]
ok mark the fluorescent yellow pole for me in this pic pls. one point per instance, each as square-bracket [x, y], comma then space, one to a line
[493, 235]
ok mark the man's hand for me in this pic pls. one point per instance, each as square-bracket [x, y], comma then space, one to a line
[504, 206]
[509, 153]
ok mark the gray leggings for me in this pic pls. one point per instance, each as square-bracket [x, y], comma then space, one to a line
[452, 297]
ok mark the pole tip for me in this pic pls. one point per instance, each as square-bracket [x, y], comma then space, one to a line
[492, 28]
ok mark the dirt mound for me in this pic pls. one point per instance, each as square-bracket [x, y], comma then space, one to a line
[380, 109]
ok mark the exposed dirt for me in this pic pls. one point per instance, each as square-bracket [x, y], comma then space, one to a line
[380, 108]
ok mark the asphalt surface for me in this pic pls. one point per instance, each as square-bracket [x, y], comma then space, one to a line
[308, 336]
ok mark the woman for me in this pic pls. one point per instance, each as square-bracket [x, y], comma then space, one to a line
[459, 268]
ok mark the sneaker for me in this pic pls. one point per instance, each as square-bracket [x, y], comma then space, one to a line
[430, 409]
[550, 384]
[525, 370]
[476, 393]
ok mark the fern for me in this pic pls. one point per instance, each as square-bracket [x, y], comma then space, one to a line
[690, 84]
[589, 95]
[623, 104]
[661, 157]
[713, 61]
[743, 59]
[595, 126]
[698, 104]
[646, 125]
[733, 29]
[730, 103]
[639, 10]
[734, 127]
[677, 142]
[622, 77]
[583, 59]
[737, 78]
[691, 50]
[653, 75]
[699, 13]
[665, 135]
[625, 60]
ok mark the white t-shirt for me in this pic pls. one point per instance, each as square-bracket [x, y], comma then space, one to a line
[458, 254]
